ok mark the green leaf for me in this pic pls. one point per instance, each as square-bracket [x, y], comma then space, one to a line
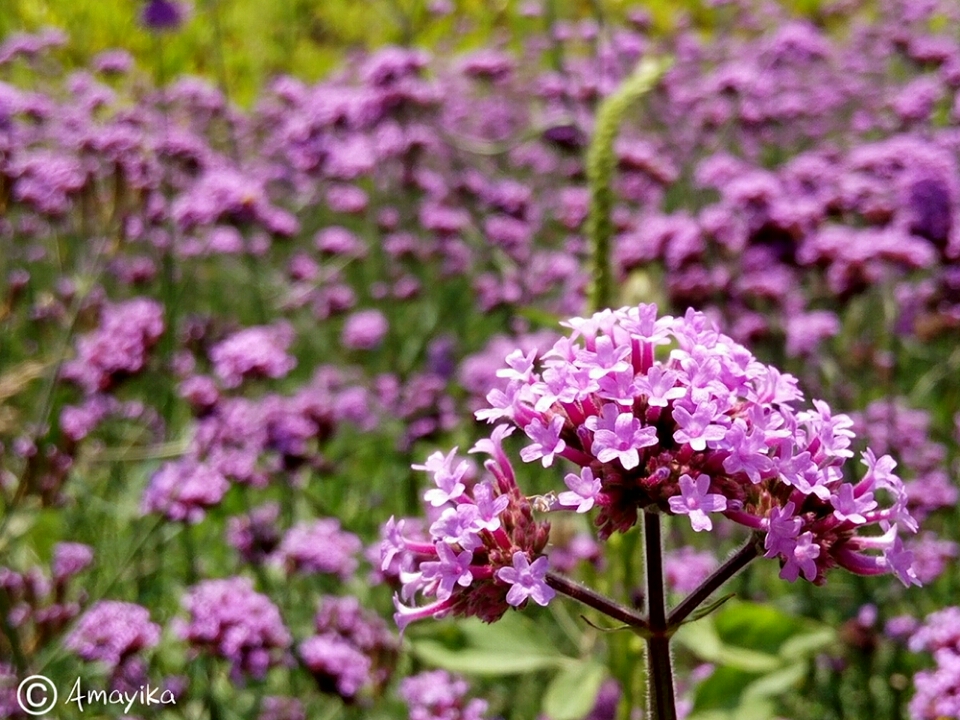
[702, 640]
[721, 691]
[758, 627]
[573, 691]
[810, 643]
[511, 646]
[486, 661]
[755, 710]
[748, 660]
[514, 633]
[775, 683]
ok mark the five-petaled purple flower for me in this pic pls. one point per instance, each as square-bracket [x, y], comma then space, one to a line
[447, 478]
[528, 580]
[619, 435]
[696, 502]
[546, 441]
[583, 493]
[698, 428]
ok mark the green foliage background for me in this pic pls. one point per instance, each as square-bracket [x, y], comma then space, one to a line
[244, 42]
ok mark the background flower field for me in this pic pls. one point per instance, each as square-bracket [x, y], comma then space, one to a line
[253, 269]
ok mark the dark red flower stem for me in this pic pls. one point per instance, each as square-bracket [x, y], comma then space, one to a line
[595, 600]
[660, 689]
[734, 564]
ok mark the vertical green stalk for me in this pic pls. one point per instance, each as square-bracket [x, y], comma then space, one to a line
[662, 703]
[556, 47]
[219, 56]
[601, 163]
[168, 275]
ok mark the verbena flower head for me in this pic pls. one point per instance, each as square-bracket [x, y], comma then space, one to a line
[276, 707]
[669, 414]
[111, 631]
[231, 620]
[938, 690]
[119, 346]
[255, 535]
[254, 352]
[183, 490]
[320, 546]
[364, 330]
[70, 559]
[436, 695]
[352, 648]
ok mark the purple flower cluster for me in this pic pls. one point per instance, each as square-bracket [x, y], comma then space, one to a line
[255, 535]
[118, 347]
[707, 430]
[320, 546]
[807, 176]
[938, 691]
[229, 619]
[224, 195]
[162, 15]
[9, 680]
[253, 352]
[183, 490]
[684, 569]
[352, 648]
[438, 695]
[41, 606]
[364, 330]
[281, 708]
[69, 559]
[892, 426]
[111, 632]
[422, 403]
[484, 552]
[248, 441]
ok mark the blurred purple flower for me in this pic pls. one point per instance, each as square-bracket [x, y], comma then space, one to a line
[228, 618]
[111, 631]
[364, 330]
[164, 15]
[320, 546]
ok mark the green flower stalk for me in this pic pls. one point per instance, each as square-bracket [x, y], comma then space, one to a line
[601, 163]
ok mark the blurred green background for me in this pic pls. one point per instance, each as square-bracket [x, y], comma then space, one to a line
[255, 40]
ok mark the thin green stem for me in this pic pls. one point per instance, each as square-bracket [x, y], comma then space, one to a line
[213, 8]
[49, 391]
[662, 702]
